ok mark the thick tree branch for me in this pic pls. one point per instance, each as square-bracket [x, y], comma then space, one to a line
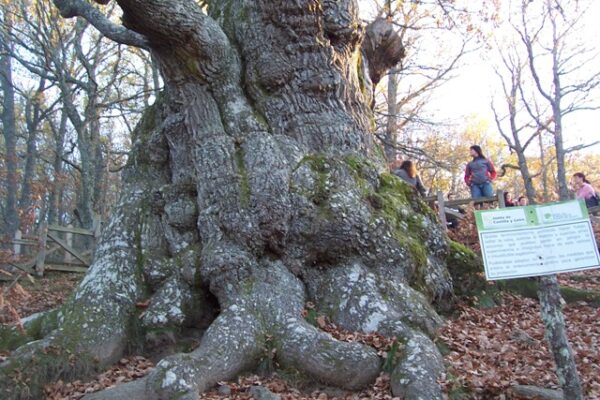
[120, 34]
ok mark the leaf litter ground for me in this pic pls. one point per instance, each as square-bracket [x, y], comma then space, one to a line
[486, 350]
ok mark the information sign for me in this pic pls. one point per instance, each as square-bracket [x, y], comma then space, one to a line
[536, 240]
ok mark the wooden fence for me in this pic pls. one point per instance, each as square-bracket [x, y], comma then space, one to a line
[444, 206]
[49, 242]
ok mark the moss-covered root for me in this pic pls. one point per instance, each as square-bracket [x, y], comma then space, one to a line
[31, 366]
[359, 300]
[35, 327]
[135, 390]
[420, 366]
[466, 269]
[93, 325]
[346, 365]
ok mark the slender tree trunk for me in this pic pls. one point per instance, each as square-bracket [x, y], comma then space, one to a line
[55, 200]
[561, 170]
[527, 180]
[545, 191]
[100, 177]
[33, 116]
[85, 196]
[155, 76]
[551, 307]
[556, 334]
[11, 217]
[550, 297]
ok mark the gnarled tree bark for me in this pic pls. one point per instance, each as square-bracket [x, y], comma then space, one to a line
[254, 186]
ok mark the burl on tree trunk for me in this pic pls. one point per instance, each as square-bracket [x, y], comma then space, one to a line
[253, 187]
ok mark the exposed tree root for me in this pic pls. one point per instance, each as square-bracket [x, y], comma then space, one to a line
[418, 369]
[93, 325]
[253, 328]
[229, 346]
[315, 353]
[359, 300]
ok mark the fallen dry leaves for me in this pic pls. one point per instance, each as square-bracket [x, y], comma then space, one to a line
[379, 342]
[584, 280]
[491, 349]
[31, 297]
[240, 390]
[128, 369]
[488, 350]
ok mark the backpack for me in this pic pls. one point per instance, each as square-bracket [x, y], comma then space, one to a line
[593, 201]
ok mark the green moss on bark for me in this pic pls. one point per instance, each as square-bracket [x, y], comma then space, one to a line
[466, 269]
[11, 338]
[396, 206]
[320, 165]
[25, 376]
[34, 329]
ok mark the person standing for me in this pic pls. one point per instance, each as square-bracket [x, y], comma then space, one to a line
[584, 190]
[408, 173]
[479, 174]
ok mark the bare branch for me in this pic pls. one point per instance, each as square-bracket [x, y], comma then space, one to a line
[581, 146]
[120, 34]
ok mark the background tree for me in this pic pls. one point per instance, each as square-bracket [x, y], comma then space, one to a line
[561, 68]
[448, 32]
[77, 100]
[9, 130]
[563, 83]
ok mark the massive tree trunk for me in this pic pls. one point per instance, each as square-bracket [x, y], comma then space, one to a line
[253, 187]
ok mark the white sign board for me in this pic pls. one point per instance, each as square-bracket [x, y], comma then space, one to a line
[536, 240]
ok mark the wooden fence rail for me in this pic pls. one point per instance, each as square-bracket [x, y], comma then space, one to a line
[49, 242]
[444, 206]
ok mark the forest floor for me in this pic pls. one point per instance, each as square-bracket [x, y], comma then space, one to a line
[487, 346]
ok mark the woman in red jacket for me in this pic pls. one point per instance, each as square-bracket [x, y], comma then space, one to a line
[479, 174]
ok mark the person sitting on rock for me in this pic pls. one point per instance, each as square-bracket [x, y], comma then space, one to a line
[408, 173]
